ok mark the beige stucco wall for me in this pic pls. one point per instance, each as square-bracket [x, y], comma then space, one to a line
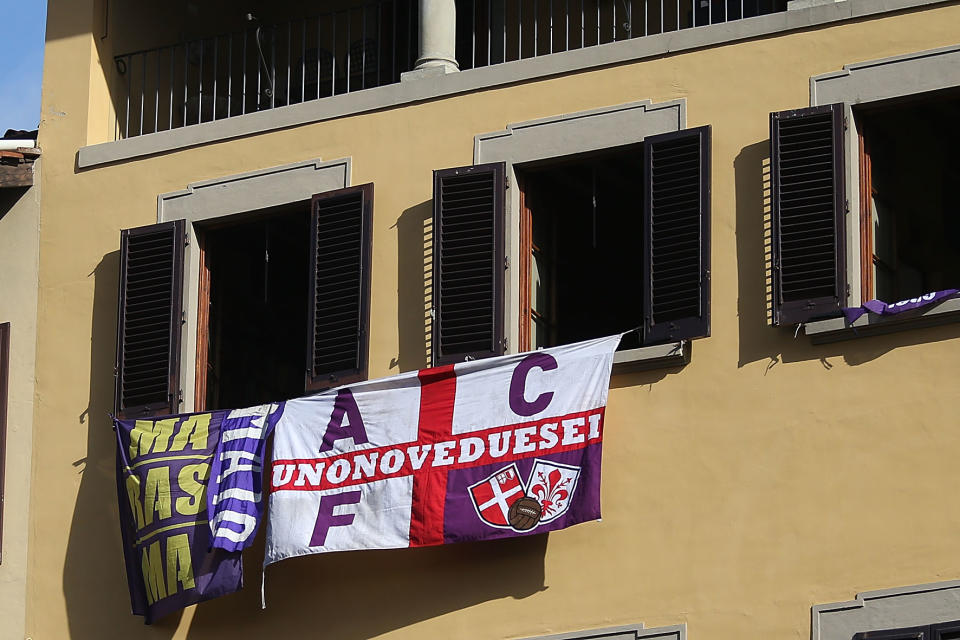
[19, 256]
[764, 477]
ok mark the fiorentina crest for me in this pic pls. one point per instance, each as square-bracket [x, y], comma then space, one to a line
[503, 501]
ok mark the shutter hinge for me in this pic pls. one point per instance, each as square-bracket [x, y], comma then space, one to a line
[183, 317]
[506, 262]
[186, 238]
[846, 206]
[846, 123]
[179, 397]
[503, 344]
[506, 182]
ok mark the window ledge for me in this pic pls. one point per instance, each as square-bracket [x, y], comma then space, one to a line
[871, 324]
[660, 356]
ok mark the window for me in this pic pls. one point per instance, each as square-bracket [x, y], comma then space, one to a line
[941, 631]
[625, 632]
[907, 204]
[284, 305]
[609, 241]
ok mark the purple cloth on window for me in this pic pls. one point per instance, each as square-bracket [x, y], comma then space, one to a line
[884, 309]
[234, 500]
[189, 491]
[162, 470]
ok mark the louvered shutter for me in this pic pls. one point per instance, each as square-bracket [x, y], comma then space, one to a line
[339, 307]
[809, 267]
[149, 320]
[468, 262]
[676, 238]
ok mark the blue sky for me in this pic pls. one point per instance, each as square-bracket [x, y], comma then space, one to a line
[21, 64]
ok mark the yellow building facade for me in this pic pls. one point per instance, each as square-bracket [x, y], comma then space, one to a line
[752, 476]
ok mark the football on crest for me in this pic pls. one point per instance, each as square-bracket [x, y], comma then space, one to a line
[525, 513]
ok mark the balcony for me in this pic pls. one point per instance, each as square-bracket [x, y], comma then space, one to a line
[264, 66]
[261, 66]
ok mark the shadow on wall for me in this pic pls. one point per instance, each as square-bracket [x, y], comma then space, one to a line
[759, 340]
[94, 579]
[9, 198]
[641, 378]
[373, 592]
[414, 286]
[363, 594]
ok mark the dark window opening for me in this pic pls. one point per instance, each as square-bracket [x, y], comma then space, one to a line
[910, 211]
[583, 249]
[939, 631]
[257, 326]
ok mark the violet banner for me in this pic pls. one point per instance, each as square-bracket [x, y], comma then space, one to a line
[188, 488]
[886, 309]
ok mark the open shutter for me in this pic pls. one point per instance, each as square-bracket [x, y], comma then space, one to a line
[339, 307]
[468, 262]
[809, 266]
[148, 325]
[676, 238]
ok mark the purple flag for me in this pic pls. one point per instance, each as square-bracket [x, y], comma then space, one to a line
[164, 466]
[236, 481]
[882, 308]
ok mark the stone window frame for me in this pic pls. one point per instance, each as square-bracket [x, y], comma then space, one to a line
[895, 608]
[219, 198]
[864, 83]
[567, 135]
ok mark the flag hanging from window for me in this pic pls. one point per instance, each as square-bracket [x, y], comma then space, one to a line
[478, 450]
[189, 489]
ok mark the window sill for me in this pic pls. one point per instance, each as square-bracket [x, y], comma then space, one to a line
[871, 324]
[660, 356]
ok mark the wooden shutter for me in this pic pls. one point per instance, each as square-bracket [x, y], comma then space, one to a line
[676, 238]
[468, 262]
[809, 267]
[339, 307]
[148, 327]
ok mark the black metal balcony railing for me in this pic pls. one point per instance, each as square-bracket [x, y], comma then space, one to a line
[370, 45]
[507, 30]
[265, 66]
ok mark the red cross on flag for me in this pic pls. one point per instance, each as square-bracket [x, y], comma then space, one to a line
[479, 450]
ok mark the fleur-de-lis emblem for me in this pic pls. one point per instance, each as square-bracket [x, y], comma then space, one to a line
[551, 490]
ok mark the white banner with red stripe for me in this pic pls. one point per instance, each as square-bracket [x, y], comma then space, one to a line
[483, 449]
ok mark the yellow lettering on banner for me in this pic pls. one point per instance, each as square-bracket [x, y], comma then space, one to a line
[193, 430]
[133, 495]
[156, 495]
[151, 565]
[150, 436]
[191, 480]
[179, 567]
